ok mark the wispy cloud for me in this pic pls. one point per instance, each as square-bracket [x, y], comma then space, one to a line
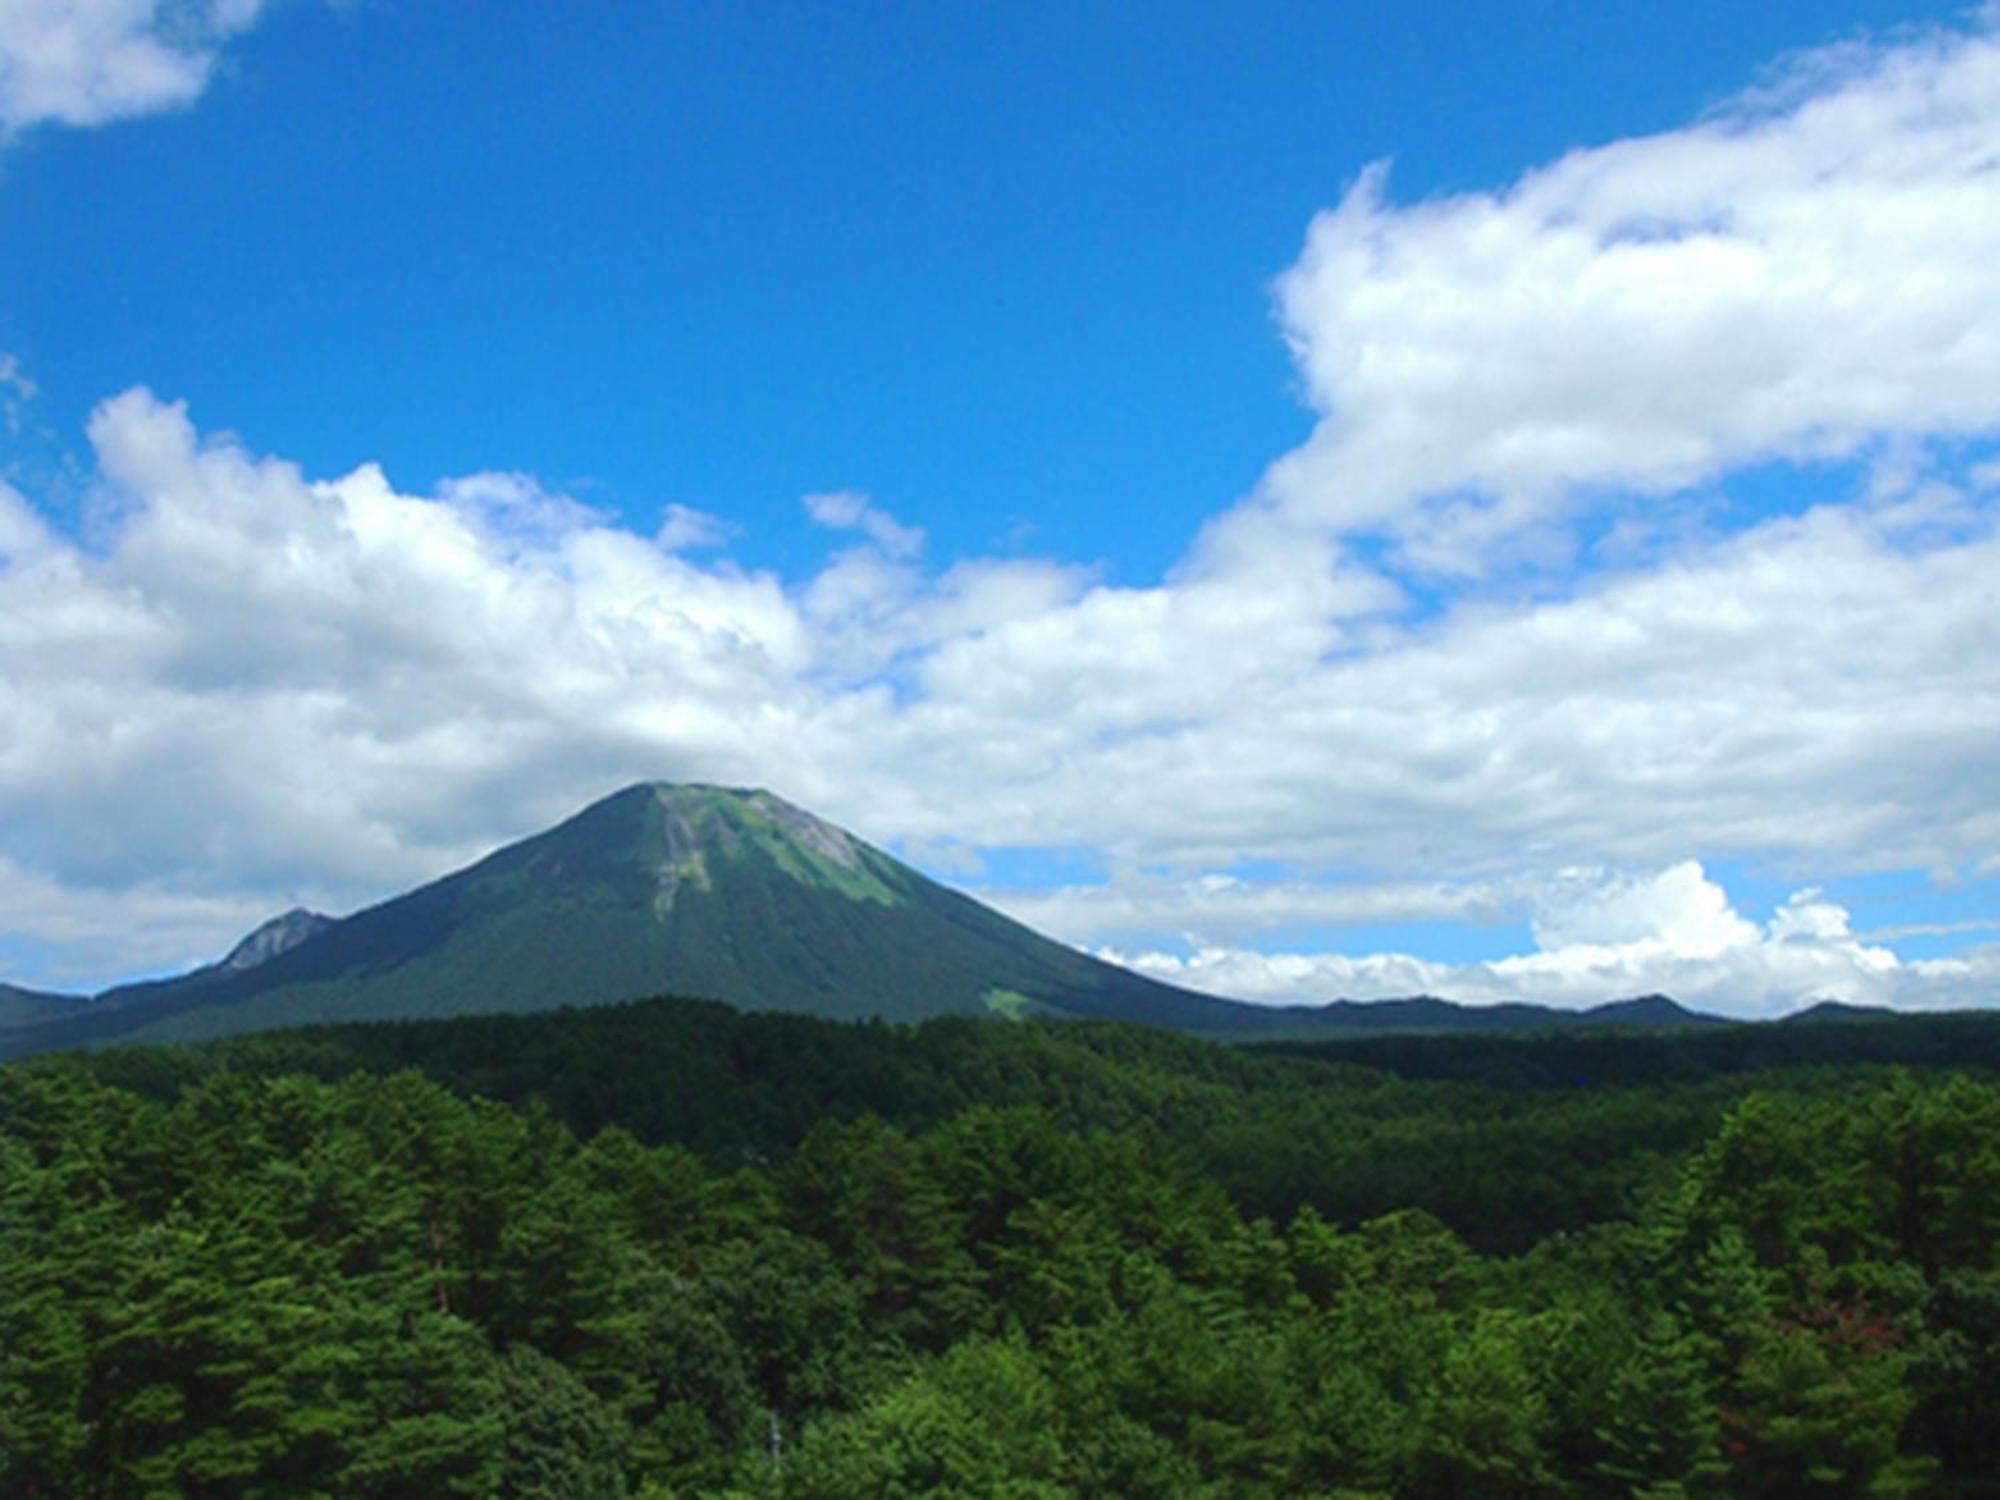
[845, 510]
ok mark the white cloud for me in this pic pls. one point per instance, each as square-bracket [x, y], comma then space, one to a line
[1678, 911]
[262, 672]
[1811, 685]
[1813, 268]
[685, 529]
[844, 510]
[22, 532]
[88, 62]
[1226, 908]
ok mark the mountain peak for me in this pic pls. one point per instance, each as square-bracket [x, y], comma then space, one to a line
[1649, 1010]
[679, 837]
[696, 803]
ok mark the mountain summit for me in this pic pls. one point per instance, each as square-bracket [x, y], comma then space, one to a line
[725, 893]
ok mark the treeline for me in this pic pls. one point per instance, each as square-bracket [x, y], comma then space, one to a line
[1603, 1056]
[1507, 1139]
[668, 1250]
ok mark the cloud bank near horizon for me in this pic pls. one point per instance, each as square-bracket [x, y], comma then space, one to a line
[1602, 937]
[1498, 619]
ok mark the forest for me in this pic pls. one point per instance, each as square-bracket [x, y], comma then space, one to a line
[667, 1249]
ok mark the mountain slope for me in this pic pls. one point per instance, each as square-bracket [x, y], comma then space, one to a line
[730, 894]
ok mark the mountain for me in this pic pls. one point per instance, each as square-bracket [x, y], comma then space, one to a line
[725, 893]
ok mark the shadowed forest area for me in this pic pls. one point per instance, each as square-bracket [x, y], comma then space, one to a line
[668, 1249]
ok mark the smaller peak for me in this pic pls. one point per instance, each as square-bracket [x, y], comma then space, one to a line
[1639, 1004]
[1835, 1010]
[1651, 1010]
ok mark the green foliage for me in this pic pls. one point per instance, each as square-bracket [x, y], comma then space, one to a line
[982, 1420]
[666, 1250]
[560, 1441]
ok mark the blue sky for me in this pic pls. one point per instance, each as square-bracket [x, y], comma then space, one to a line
[1188, 591]
[1003, 267]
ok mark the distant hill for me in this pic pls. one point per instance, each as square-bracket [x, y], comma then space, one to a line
[1586, 1057]
[1835, 1010]
[1428, 1013]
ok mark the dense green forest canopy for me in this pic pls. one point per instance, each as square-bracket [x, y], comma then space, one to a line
[668, 1249]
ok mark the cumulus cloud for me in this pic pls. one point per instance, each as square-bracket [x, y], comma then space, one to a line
[1812, 268]
[255, 686]
[263, 670]
[88, 62]
[1678, 911]
[1602, 937]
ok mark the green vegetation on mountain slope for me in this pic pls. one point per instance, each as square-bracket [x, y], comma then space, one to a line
[984, 1258]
